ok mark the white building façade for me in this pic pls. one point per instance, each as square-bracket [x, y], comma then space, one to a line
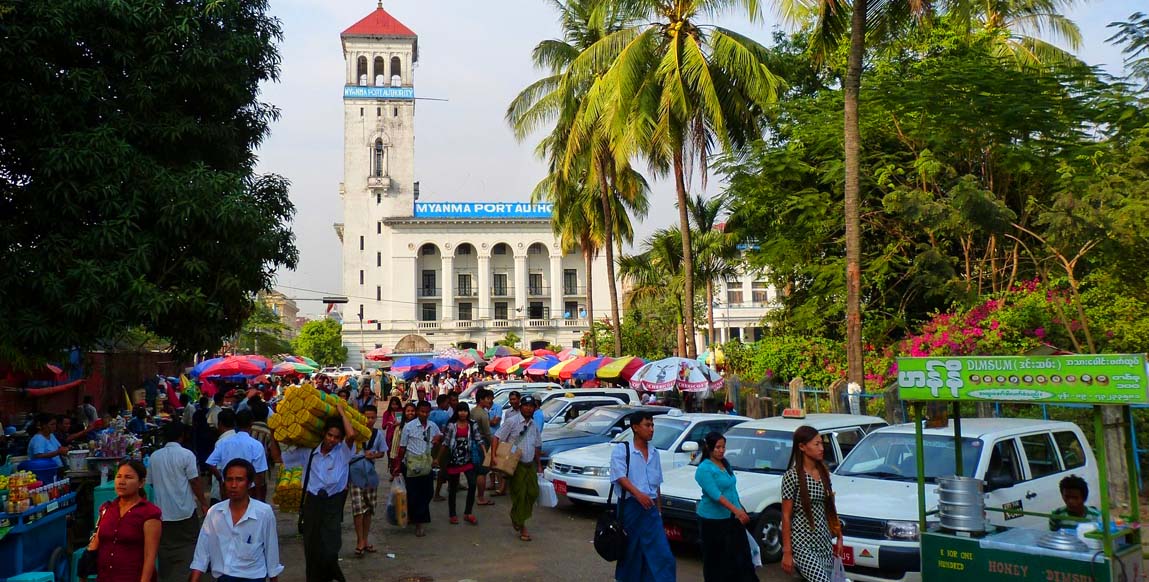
[462, 272]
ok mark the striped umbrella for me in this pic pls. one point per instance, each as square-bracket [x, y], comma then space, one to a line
[589, 370]
[540, 366]
[411, 365]
[284, 368]
[501, 365]
[569, 369]
[571, 353]
[440, 365]
[622, 368]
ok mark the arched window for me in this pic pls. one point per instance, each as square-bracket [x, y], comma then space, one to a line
[380, 70]
[378, 159]
[396, 72]
[361, 71]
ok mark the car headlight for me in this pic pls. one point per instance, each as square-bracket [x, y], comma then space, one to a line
[902, 530]
[596, 471]
[551, 464]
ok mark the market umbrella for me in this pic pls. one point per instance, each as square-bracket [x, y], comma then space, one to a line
[543, 352]
[198, 369]
[622, 368]
[303, 359]
[570, 353]
[501, 365]
[540, 366]
[572, 365]
[522, 365]
[683, 373]
[475, 355]
[378, 354]
[234, 367]
[588, 371]
[410, 364]
[283, 368]
[440, 365]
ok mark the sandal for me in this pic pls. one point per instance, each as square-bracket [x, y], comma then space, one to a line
[485, 502]
[524, 537]
[454, 520]
[369, 549]
[359, 552]
[471, 519]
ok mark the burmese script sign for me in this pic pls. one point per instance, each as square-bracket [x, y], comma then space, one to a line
[1077, 379]
[519, 210]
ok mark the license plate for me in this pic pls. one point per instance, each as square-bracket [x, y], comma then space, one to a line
[847, 556]
[560, 487]
[673, 532]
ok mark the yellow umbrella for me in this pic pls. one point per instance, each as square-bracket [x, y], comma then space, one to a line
[522, 365]
[553, 372]
[613, 369]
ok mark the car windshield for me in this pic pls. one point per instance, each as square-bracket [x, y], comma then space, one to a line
[892, 456]
[552, 407]
[757, 450]
[666, 432]
[502, 400]
[596, 421]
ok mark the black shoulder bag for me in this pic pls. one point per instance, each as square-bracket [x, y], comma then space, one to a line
[88, 565]
[303, 495]
[609, 534]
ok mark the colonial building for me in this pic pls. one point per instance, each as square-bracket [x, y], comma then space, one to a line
[285, 308]
[453, 272]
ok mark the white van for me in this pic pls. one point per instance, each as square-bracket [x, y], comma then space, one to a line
[1022, 462]
[759, 452]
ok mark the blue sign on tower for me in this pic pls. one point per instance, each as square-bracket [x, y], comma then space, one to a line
[368, 92]
[519, 210]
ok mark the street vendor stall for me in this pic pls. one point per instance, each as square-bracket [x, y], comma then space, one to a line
[33, 526]
[958, 543]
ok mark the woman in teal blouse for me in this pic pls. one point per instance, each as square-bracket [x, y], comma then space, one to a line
[722, 520]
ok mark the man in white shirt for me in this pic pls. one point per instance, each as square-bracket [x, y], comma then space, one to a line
[240, 445]
[323, 499]
[178, 494]
[524, 434]
[238, 539]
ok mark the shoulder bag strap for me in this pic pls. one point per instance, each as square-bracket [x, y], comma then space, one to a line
[306, 479]
[622, 492]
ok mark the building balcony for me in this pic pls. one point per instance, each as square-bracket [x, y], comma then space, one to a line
[500, 292]
[574, 291]
[427, 325]
[463, 324]
[379, 183]
[538, 291]
[428, 292]
[464, 292]
[538, 323]
[573, 322]
[499, 324]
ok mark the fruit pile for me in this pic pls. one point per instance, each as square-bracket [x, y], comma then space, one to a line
[301, 415]
[289, 489]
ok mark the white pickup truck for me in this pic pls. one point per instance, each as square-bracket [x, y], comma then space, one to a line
[1022, 462]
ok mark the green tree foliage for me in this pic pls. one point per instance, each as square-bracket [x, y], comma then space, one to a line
[511, 340]
[128, 196]
[322, 341]
[263, 333]
[976, 175]
[648, 330]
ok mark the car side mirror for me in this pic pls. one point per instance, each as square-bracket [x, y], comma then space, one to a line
[615, 431]
[690, 447]
[995, 482]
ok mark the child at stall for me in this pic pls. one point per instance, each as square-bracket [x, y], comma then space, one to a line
[1074, 493]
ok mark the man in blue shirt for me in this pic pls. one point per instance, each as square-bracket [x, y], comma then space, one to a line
[639, 475]
[240, 446]
[326, 490]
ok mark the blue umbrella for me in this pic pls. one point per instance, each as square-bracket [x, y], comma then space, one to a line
[446, 364]
[589, 370]
[410, 364]
[200, 367]
[540, 367]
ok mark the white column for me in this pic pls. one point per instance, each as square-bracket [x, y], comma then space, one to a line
[485, 310]
[521, 284]
[448, 288]
[556, 286]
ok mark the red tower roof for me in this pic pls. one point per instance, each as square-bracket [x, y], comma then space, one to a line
[378, 23]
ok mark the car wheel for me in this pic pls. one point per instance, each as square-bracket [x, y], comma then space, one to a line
[768, 531]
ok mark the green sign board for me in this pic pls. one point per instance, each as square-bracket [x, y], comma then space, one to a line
[1084, 379]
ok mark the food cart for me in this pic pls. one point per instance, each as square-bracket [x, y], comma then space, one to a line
[35, 539]
[1001, 553]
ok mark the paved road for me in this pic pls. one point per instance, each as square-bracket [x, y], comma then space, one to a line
[489, 552]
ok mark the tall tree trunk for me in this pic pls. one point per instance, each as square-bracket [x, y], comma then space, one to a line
[687, 257]
[608, 218]
[853, 143]
[678, 331]
[592, 344]
[710, 312]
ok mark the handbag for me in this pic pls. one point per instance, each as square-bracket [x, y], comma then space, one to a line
[506, 458]
[420, 465]
[89, 564]
[609, 534]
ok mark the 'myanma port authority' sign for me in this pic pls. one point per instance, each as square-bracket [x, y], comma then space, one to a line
[472, 210]
[1078, 379]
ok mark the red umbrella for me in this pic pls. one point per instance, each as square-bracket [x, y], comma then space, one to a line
[501, 365]
[543, 352]
[234, 366]
[379, 354]
[569, 369]
[263, 361]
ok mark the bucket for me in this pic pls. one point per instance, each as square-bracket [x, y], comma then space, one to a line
[78, 460]
[961, 503]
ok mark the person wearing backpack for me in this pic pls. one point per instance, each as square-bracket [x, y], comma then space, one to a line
[365, 482]
[647, 557]
[415, 444]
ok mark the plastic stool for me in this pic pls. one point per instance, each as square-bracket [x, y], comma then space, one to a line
[76, 564]
[33, 577]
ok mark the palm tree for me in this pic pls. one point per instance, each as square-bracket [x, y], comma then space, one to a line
[673, 89]
[716, 251]
[837, 20]
[656, 273]
[556, 99]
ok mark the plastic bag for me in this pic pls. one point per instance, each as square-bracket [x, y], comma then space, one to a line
[397, 503]
[838, 571]
[755, 550]
[547, 495]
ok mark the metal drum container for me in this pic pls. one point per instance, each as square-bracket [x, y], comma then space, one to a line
[961, 503]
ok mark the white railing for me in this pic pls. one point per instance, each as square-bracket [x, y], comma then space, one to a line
[464, 324]
[574, 323]
[500, 324]
[536, 323]
[428, 325]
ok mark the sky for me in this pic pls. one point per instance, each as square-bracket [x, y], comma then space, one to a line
[476, 56]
